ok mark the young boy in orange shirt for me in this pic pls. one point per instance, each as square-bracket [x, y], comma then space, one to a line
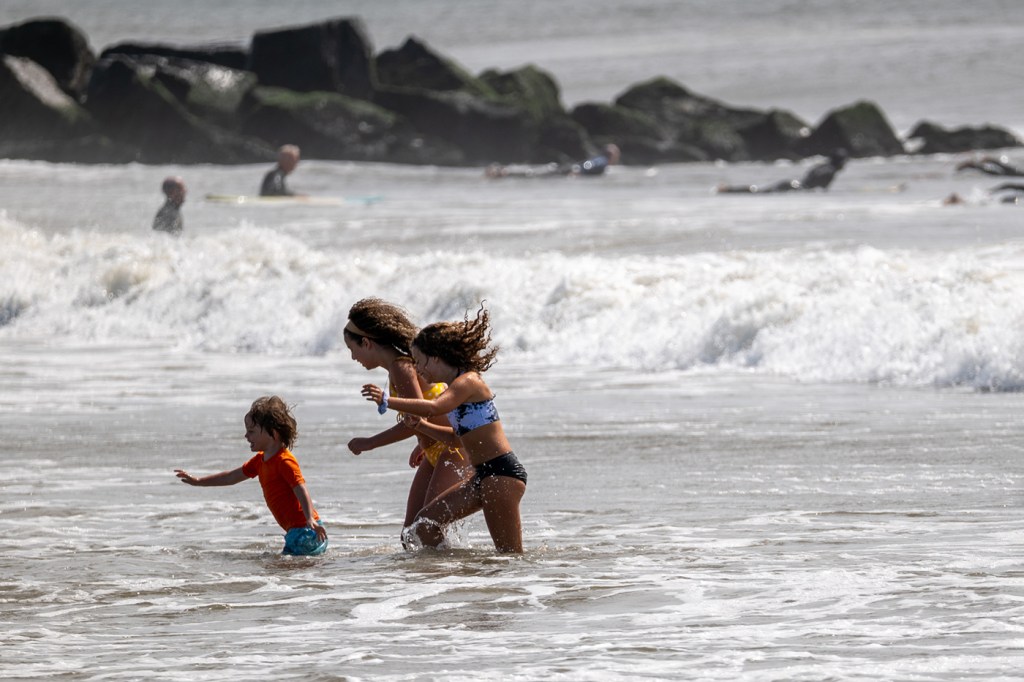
[270, 430]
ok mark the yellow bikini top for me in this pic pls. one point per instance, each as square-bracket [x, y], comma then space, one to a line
[430, 394]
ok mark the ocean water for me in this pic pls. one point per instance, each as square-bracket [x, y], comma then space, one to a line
[768, 438]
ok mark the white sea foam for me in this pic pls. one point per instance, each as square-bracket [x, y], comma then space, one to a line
[855, 314]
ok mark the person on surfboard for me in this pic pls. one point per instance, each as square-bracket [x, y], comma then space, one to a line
[274, 184]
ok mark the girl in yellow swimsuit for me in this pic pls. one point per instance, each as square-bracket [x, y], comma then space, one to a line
[379, 334]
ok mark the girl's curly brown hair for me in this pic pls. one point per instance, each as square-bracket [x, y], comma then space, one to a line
[271, 414]
[465, 345]
[383, 322]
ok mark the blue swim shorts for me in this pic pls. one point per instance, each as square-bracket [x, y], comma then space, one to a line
[302, 542]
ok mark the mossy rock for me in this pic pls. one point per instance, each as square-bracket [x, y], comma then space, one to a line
[416, 65]
[531, 88]
[325, 125]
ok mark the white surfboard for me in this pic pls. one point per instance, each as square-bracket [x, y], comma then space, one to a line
[253, 200]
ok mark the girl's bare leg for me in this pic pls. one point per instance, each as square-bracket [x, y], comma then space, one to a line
[500, 497]
[450, 471]
[457, 503]
[418, 491]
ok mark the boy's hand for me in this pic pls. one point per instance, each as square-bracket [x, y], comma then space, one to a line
[321, 532]
[186, 477]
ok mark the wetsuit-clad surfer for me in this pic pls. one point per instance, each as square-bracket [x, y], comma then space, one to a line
[168, 218]
[818, 177]
[992, 166]
[274, 181]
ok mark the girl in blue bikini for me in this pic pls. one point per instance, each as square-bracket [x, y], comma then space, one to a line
[456, 353]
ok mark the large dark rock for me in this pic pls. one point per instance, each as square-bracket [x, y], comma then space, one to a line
[35, 106]
[931, 138]
[415, 65]
[55, 44]
[483, 130]
[327, 125]
[210, 91]
[641, 139]
[556, 136]
[776, 135]
[861, 129]
[691, 120]
[332, 56]
[134, 108]
[230, 56]
[560, 140]
[41, 121]
[532, 89]
[515, 116]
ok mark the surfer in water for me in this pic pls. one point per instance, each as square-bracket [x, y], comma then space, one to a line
[818, 177]
[591, 167]
[270, 430]
[168, 218]
[1013, 192]
[274, 181]
[992, 166]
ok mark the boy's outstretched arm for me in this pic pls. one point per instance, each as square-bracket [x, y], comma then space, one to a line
[223, 478]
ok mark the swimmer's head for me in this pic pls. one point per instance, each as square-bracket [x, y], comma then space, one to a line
[613, 153]
[288, 157]
[174, 189]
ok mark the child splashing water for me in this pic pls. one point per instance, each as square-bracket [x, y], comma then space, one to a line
[271, 430]
[379, 334]
[457, 353]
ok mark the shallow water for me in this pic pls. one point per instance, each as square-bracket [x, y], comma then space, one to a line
[767, 437]
[677, 529]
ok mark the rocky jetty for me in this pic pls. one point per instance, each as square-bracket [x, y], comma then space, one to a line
[324, 87]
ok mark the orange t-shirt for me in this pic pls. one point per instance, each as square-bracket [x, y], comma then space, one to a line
[278, 475]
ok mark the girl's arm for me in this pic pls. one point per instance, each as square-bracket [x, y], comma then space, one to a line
[464, 389]
[445, 434]
[403, 377]
[306, 502]
[396, 433]
[223, 478]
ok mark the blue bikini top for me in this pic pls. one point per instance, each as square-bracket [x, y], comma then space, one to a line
[469, 416]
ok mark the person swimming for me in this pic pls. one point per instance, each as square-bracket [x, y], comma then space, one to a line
[1014, 192]
[991, 165]
[819, 176]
